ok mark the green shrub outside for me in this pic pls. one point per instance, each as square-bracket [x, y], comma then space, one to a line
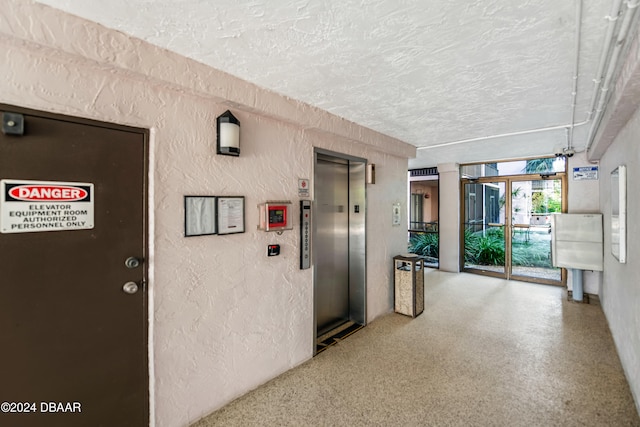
[485, 249]
[488, 249]
[424, 244]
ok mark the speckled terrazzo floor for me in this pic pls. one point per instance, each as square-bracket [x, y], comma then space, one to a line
[485, 352]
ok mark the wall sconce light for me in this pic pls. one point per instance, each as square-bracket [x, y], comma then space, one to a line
[370, 175]
[228, 134]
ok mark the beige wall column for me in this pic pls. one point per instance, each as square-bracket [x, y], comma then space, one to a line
[449, 221]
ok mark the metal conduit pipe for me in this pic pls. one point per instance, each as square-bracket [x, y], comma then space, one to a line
[502, 135]
[615, 56]
[576, 281]
[612, 68]
[613, 17]
[574, 92]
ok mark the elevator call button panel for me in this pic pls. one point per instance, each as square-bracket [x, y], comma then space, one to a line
[305, 234]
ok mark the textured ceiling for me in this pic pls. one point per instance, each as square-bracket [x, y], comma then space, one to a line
[430, 73]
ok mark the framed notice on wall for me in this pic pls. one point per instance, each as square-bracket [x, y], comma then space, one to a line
[230, 212]
[199, 215]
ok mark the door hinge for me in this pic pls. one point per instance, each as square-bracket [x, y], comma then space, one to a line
[12, 124]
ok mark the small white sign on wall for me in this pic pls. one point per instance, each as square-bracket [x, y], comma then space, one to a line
[33, 206]
[585, 173]
[396, 218]
[303, 187]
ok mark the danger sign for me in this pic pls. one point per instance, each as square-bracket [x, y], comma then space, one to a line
[32, 206]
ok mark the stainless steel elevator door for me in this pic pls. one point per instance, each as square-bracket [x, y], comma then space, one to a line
[332, 244]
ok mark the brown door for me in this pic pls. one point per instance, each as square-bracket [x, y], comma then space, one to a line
[73, 343]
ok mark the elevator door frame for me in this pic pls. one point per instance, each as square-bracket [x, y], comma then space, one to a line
[357, 236]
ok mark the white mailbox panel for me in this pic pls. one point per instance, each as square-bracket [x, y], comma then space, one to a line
[576, 241]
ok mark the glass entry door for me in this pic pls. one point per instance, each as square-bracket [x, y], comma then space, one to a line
[532, 204]
[484, 227]
[507, 231]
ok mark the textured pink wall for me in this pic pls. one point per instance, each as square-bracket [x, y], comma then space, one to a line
[225, 318]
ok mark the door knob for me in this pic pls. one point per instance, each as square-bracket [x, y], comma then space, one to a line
[132, 262]
[130, 288]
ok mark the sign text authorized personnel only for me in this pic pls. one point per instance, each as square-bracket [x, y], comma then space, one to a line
[32, 206]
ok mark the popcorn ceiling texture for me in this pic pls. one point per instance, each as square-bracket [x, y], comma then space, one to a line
[425, 72]
[225, 317]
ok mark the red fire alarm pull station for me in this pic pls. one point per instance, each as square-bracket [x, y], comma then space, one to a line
[275, 216]
[278, 216]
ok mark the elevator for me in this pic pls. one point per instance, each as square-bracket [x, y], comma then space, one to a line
[339, 244]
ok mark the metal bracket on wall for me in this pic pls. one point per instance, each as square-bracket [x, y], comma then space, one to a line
[12, 124]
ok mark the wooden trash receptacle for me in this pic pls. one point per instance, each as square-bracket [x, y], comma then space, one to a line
[408, 284]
